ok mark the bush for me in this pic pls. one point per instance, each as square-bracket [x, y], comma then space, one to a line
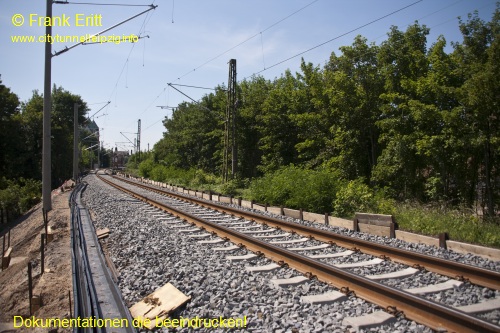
[356, 196]
[17, 196]
[297, 188]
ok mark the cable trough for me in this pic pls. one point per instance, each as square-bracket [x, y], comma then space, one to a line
[96, 295]
[395, 301]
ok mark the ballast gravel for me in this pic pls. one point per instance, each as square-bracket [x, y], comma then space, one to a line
[149, 253]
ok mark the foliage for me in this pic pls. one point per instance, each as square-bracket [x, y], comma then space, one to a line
[17, 196]
[402, 115]
[356, 196]
[294, 187]
[21, 145]
[460, 224]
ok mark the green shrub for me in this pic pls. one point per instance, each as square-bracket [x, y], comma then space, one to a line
[145, 168]
[294, 187]
[460, 224]
[17, 196]
[356, 196]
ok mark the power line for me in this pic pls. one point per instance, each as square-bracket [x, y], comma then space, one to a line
[337, 37]
[98, 4]
[185, 85]
[246, 40]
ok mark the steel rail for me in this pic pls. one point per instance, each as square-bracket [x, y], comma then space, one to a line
[476, 275]
[396, 301]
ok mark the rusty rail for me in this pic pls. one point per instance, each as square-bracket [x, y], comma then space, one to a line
[480, 276]
[429, 313]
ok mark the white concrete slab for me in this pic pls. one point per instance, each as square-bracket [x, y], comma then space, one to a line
[187, 231]
[165, 218]
[450, 284]
[289, 282]
[243, 257]
[309, 248]
[212, 241]
[264, 268]
[301, 240]
[236, 223]
[173, 226]
[258, 231]
[331, 255]
[259, 227]
[485, 306]
[274, 236]
[377, 318]
[205, 235]
[360, 263]
[327, 298]
[226, 248]
[394, 275]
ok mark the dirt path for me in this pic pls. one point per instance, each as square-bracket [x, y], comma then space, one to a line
[53, 286]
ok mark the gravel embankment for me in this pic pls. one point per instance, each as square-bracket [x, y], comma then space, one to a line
[149, 253]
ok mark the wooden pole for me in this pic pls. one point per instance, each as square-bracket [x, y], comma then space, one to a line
[70, 308]
[30, 285]
[42, 252]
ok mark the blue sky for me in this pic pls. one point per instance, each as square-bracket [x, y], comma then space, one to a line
[184, 35]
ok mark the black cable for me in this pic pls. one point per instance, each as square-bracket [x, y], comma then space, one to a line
[99, 4]
[337, 37]
[246, 40]
[184, 85]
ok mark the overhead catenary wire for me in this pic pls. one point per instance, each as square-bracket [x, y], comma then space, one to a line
[337, 37]
[98, 4]
[248, 39]
[228, 50]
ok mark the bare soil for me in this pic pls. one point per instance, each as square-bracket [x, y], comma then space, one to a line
[55, 284]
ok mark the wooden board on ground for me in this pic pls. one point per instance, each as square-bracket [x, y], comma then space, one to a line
[159, 304]
[6, 258]
[102, 233]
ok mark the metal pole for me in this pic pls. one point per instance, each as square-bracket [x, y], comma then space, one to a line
[47, 105]
[75, 143]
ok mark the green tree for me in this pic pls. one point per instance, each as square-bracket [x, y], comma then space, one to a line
[402, 59]
[10, 128]
[479, 56]
[353, 86]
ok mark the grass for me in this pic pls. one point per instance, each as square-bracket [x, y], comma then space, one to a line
[460, 224]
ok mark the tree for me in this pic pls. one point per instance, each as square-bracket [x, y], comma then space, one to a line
[353, 86]
[9, 130]
[402, 59]
[479, 56]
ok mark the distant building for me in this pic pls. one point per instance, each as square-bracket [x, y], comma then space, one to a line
[120, 159]
[92, 127]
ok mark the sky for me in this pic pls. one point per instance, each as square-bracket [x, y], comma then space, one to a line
[190, 42]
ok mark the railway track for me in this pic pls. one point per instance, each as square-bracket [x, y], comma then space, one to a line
[267, 237]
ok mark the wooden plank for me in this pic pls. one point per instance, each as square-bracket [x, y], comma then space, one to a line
[375, 230]
[6, 258]
[159, 304]
[293, 213]
[371, 223]
[375, 219]
[102, 233]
